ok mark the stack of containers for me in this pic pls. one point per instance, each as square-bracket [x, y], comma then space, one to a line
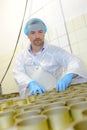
[52, 110]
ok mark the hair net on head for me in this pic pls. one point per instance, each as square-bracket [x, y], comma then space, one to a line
[28, 26]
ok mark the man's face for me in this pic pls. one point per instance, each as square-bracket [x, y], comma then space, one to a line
[37, 37]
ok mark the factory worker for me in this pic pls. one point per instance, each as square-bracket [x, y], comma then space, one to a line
[41, 67]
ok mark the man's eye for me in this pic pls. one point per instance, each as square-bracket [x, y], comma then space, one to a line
[41, 31]
[32, 32]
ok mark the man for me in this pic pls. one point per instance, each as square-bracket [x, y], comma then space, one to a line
[41, 66]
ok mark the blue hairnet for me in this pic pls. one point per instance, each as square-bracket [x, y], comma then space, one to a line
[34, 21]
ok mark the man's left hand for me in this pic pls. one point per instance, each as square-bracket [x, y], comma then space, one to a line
[63, 83]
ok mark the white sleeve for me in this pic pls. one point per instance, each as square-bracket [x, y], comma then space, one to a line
[20, 76]
[72, 64]
[76, 66]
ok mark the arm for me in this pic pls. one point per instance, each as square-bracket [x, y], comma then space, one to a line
[20, 75]
[23, 80]
[71, 63]
[73, 68]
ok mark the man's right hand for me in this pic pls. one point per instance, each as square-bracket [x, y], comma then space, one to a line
[35, 88]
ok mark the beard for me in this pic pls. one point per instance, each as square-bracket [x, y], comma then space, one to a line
[38, 42]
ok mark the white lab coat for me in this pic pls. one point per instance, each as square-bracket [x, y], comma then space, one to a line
[46, 68]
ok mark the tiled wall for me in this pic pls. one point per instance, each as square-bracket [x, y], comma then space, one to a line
[77, 30]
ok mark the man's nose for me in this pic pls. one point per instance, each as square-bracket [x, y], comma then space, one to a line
[37, 35]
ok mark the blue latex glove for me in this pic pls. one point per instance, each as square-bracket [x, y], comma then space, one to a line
[63, 83]
[35, 88]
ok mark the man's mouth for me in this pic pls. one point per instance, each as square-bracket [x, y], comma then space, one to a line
[37, 39]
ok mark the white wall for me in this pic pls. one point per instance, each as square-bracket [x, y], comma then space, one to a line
[11, 13]
[73, 8]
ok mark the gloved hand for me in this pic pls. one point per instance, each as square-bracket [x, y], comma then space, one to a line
[63, 83]
[35, 88]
